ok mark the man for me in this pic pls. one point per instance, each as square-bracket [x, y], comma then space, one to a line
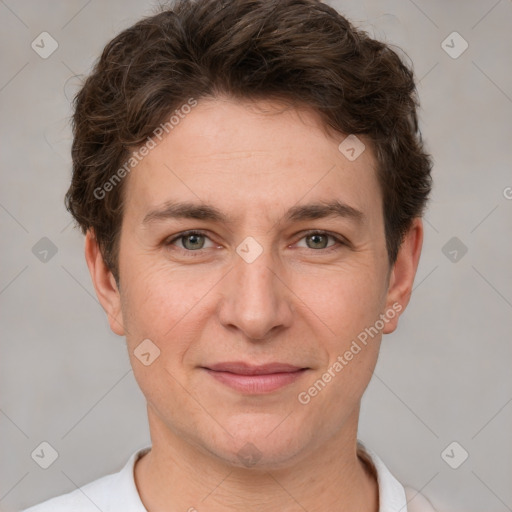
[250, 178]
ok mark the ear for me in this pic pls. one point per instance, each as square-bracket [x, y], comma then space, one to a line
[402, 275]
[104, 283]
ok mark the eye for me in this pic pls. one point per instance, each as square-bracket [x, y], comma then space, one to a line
[190, 241]
[319, 240]
[195, 241]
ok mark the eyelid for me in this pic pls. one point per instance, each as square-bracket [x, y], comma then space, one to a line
[339, 239]
[178, 236]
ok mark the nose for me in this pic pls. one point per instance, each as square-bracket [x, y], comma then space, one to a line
[255, 298]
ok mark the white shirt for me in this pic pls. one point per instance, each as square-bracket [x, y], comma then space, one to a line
[117, 492]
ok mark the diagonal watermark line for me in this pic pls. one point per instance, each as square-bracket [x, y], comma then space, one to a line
[81, 491]
[430, 273]
[13, 77]
[66, 226]
[13, 279]
[81, 285]
[485, 15]
[286, 491]
[493, 287]
[69, 69]
[50, 145]
[492, 211]
[14, 13]
[501, 409]
[216, 487]
[199, 403]
[278, 221]
[428, 72]
[406, 405]
[165, 165]
[508, 508]
[418, 492]
[430, 224]
[14, 423]
[492, 81]
[74, 16]
[424, 13]
[97, 402]
[279, 423]
[94, 298]
[213, 286]
[333, 333]
[5, 495]
[13, 217]
[304, 195]
[184, 184]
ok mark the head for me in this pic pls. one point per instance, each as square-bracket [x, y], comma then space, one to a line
[288, 141]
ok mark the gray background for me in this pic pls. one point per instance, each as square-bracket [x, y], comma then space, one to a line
[444, 376]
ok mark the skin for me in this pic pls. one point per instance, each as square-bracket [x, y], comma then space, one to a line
[298, 303]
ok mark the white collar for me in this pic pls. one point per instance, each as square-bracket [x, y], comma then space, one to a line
[392, 497]
[117, 492]
[391, 492]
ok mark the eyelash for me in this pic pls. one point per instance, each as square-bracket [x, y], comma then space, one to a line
[340, 242]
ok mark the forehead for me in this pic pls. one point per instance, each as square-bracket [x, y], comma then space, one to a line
[245, 155]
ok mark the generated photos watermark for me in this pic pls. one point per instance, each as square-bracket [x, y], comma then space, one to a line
[305, 397]
[138, 155]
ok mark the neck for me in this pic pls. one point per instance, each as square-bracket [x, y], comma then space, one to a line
[175, 475]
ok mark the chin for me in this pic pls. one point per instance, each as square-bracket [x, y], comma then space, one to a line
[257, 449]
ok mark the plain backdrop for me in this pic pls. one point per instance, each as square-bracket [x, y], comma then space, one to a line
[443, 377]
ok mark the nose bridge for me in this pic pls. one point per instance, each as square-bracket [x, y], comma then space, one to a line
[255, 301]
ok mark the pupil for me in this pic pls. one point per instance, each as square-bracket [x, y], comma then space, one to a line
[317, 239]
[193, 239]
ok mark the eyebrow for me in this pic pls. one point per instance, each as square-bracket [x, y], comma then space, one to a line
[325, 209]
[201, 211]
[181, 210]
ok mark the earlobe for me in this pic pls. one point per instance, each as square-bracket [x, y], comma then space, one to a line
[104, 283]
[402, 275]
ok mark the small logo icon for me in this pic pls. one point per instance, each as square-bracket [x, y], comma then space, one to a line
[44, 250]
[249, 249]
[454, 455]
[44, 45]
[454, 249]
[249, 455]
[351, 147]
[454, 45]
[146, 352]
[45, 455]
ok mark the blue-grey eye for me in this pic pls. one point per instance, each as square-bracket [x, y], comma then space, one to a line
[318, 241]
[192, 241]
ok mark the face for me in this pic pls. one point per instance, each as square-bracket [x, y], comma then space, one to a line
[286, 265]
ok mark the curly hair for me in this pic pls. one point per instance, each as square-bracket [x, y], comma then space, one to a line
[300, 51]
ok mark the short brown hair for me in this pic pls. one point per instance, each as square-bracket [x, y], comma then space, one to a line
[301, 51]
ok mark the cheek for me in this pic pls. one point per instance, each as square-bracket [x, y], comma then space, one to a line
[343, 306]
[162, 306]
[342, 301]
[160, 303]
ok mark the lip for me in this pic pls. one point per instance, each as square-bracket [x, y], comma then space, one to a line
[255, 379]
[242, 368]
